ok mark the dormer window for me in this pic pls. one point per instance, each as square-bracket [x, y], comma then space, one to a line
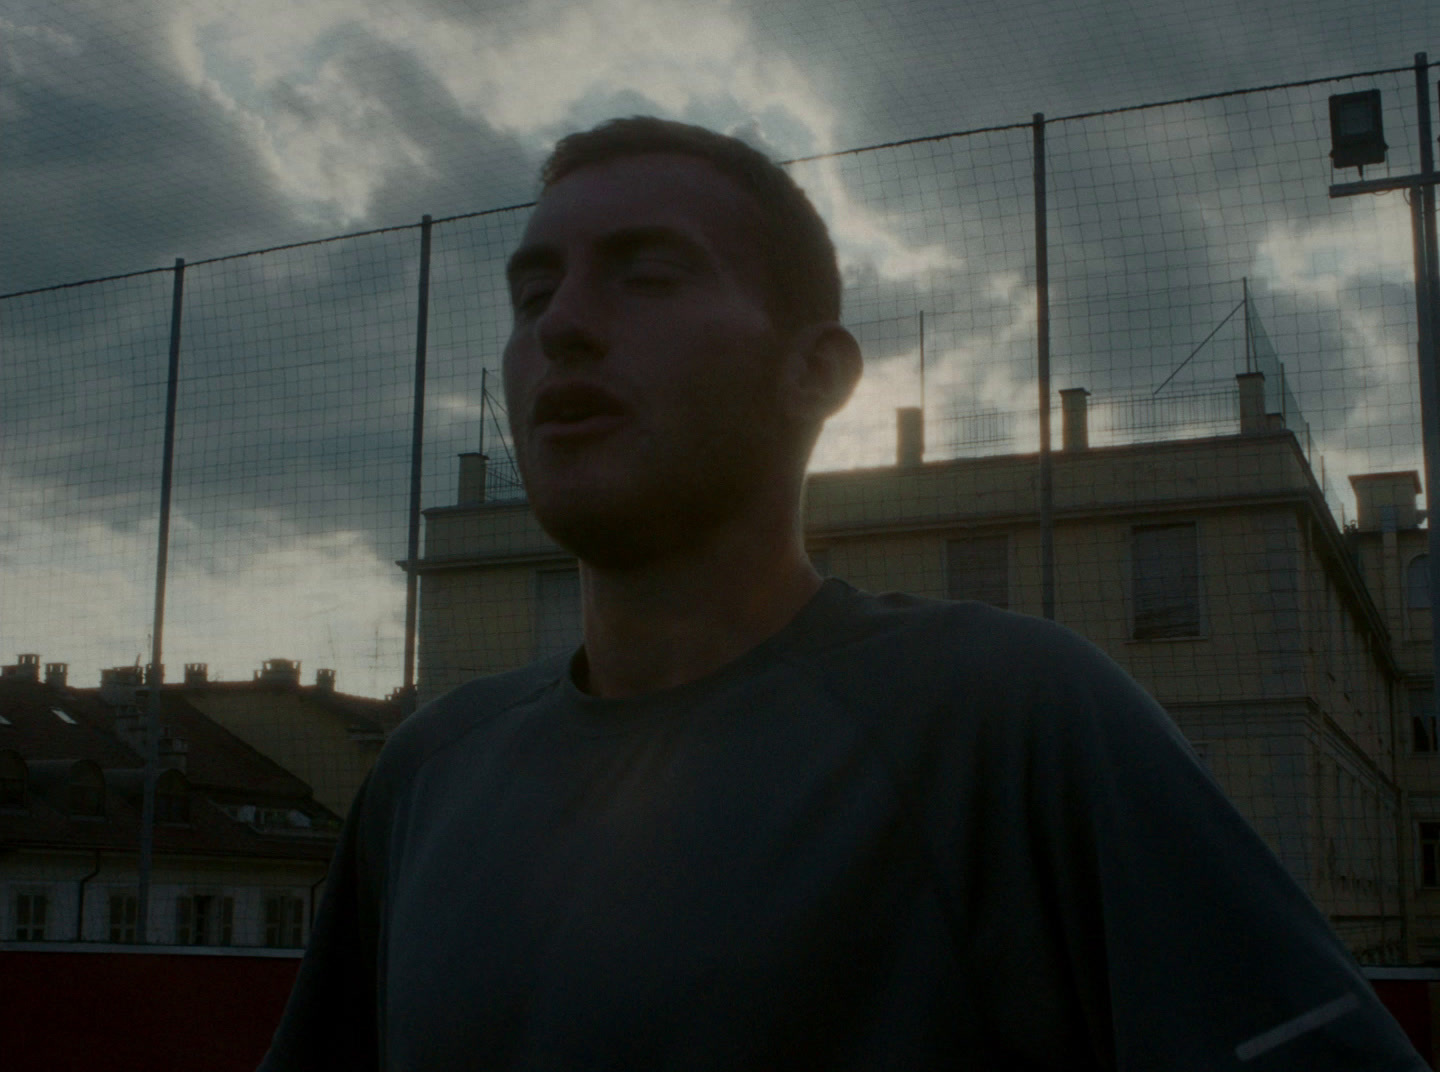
[172, 798]
[13, 782]
[85, 793]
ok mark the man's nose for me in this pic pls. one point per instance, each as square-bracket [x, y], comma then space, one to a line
[572, 327]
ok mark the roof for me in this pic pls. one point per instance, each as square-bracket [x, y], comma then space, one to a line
[220, 761]
[224, 773]
[363, 714]
[32, 728]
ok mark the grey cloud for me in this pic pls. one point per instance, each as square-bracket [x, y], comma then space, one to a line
[297, 366]
[909, 69]
[113, 164]
[470, 165]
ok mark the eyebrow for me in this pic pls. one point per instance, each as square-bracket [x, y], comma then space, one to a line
[614, 246]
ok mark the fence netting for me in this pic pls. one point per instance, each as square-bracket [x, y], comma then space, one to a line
[1236, 459]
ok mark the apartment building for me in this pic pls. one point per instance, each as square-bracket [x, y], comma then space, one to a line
[240, 845]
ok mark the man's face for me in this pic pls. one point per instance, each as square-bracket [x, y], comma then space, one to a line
[643, 368]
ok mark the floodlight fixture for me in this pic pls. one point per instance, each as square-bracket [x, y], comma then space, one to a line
[1357, 134]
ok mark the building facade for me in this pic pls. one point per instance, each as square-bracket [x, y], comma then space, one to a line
[1391, 550]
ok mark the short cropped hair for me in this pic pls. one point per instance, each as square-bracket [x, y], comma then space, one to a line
[804, 283]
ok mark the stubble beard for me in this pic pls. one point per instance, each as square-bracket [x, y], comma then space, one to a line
[655, 516]
[670, 503]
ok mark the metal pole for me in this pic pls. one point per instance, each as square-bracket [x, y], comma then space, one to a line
[922, 368]
[417, 444]
[155, 679]
[1245, 298]
[1042, 302]
[1422, 222]
[1427, 198]
[484, 398]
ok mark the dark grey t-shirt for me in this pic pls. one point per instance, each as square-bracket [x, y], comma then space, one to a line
[900, 834]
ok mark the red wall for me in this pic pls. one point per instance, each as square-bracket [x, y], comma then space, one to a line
[144, 1011]
[174, 1012]
[1410, 1001]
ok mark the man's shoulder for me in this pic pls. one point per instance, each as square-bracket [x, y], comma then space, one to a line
[464, 709]
[904, 661]
[946, 637]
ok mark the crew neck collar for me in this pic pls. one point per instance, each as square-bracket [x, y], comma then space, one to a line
[616, 713]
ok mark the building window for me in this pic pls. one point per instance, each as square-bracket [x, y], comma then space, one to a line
[284, 922]
[1417, 583]
[1166, 582]
[1424, 737]
[30, 912]
[205, 919]
[1430, 855]
[124, 909]
[172, 798]
[12, 782]
[557, 611]
[1417, 597]
[978, 567]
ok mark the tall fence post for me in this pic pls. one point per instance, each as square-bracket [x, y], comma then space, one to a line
[417, 446]
[155, 677]
[1245, 300]
[1042, 332]
[1427, 297]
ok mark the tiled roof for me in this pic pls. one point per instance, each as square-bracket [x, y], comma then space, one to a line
[382, 715]
[364, 713]
[223, 771]
[32, 728]
[219, 760]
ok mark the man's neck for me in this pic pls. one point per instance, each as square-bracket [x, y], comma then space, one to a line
[676, 620]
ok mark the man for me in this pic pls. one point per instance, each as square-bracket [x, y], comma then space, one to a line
[759, 821]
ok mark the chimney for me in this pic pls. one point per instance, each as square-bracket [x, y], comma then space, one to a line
[197, 674]
[126, 677]
[1074, 419]
[118, 685]
[56, 674]
[403, 697]
[279, 672]
[324, 680]
[909, 435]
[473, 467]
[1386, 501]
[1252, 403]
[25, 668]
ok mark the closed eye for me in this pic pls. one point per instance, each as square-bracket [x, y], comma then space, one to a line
[531, 297]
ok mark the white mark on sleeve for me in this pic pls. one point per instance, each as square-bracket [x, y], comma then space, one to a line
[1293, 1029]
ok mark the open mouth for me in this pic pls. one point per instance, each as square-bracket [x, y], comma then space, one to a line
[573, 407]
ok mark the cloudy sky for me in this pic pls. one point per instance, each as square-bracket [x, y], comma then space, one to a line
[137, 132]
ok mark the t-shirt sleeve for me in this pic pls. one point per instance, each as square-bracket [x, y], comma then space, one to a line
[330, 1020]
[1180, 923]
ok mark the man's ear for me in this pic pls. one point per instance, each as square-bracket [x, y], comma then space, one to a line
[824, 367]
